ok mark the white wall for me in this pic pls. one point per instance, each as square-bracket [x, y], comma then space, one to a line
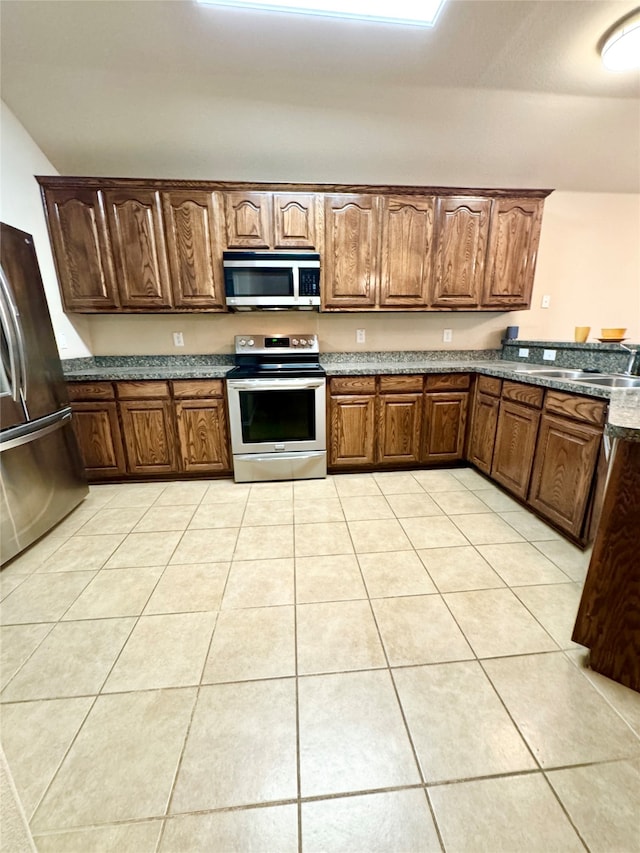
[20, 206]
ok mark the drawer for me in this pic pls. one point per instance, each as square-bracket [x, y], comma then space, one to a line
[91, 391]
[490, 385]
[447, 381]
[584, 409]
[197, 388]
[143, 390]
[353, 385]
[401, 383]
[529, 395]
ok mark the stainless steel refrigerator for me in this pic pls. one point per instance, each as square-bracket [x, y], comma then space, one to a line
[41, 473]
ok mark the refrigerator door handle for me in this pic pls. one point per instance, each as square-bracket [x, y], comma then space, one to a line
[8, 332]
[25, 433]
[19, 357]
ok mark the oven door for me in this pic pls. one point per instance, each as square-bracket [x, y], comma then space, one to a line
[277, 415]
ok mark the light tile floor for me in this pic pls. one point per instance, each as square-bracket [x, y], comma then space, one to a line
[363, 663]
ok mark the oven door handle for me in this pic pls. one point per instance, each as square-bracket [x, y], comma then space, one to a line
[274, 384]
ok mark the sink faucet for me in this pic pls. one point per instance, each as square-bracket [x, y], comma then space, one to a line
[628, 371]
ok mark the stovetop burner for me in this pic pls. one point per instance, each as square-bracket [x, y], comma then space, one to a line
[268, 357]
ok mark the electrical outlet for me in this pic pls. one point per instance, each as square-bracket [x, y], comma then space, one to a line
[360, 336]
[178, 339]
[523, 352]
[546, 301]
[62, 342]
[548, 355]
[447, 336]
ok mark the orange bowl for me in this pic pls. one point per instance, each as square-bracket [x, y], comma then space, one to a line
[612, 333]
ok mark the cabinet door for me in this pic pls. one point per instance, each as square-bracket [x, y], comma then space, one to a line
[462, 228]
[563, 470]
[203, 435]
[445, 420]
[81, 249]
[513, 249]
[139, 251]
[248, 218]
[194, 244]
[294, 221]
[405, 257]
[515, 446]
[350, 251]
[98, 432]
[483, 432]
[399, 422]
[352, 431]
[149, 436]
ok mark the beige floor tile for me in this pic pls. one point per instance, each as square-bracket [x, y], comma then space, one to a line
[226, 491]
[28, 561]
[321, 509]
[262, 830]
[413, 505]
[114, 771]
[419, 629]
[521, 564]
[495, 623]
[458, 725]
[602, 801]
[261, 513]
[139, 837]
[163, 651]
[130, 494]
[375, 536]
[17, 644]
[162, 518]
[486, 529]
[188, 588]
[204, 546]
[247, 732]
[555, 607]
[532, 528]
[352, 737]
[573, 561]
[43, 598]
[470, 478]
[73, 660]
[438, 481]
[10, 582]
[328, 578]
[217, 515]
[264, 543]
[625, 700]
[353, 485]
[397, 483]
[397, 573]
[459, 569]
[375, 823]
[560, 714]
[329, 537]
[261, 492]
[252, 643]
[513, 813]
[366, 507]
[182, 494]
[35, 737]
[433, 532]
[310, 490]
[82, 553]
[496, 500]
[337, 636]
[122, 593]
[459, 503]
[145, 549]
[73, 522]
[112, 520]
[259, 583]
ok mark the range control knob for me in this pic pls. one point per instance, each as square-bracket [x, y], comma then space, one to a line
[250, 342]
[303, 342]
[295, 342]
[242, 342]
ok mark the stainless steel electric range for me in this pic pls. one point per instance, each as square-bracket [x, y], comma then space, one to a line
[277, 408]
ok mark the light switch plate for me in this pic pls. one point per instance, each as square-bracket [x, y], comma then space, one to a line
[548, 355]
[523, 352]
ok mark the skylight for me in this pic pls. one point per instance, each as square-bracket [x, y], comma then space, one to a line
[417, 13]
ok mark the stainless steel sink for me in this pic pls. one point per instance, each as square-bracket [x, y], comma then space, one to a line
[612, 381]
[556, 373]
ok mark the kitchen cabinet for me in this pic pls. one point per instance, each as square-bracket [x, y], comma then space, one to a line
[445, 417]
[484, 422]
[399, 419]
[147, 427]
[350, 258]
[264, 220]
[352, 409]
[95, 423]
[516, 436]
[203, 432]
[406, 231]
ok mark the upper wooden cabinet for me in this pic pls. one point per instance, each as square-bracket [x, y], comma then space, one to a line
[349, 264]
[406, 247]
[263, 220]
[461, 245]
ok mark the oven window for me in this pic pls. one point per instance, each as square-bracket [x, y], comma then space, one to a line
[263, 282]
[278, 415]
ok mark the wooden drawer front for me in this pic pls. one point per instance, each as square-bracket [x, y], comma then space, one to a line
[353, 385]
[190, 388]
[91, 391]
[145, 390]
[584, 409]
[448, 381]
[398, 384]
[530, 395]
[490, 385]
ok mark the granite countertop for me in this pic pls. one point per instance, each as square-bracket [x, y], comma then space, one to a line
[624, 433]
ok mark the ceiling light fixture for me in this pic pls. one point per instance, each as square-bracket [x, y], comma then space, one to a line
[620, 46]
[418, 13]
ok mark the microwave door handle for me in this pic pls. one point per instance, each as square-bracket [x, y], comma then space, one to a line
[8, 332]
[17, 356]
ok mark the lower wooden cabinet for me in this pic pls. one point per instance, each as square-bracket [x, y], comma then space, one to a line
[98, 433]
[398, 434]
[149, 436]
[483, 431]
[514, 447]
[352, 430]
[445, 421]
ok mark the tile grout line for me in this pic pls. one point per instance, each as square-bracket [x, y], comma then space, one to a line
[297, 690]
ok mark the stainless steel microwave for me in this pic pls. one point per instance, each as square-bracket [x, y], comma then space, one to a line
[271, 280]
